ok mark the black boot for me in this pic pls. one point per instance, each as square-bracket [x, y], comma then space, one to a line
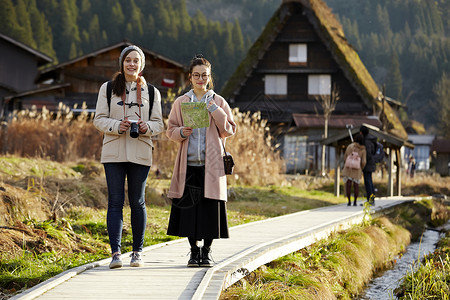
[205, 260]
[194, 260]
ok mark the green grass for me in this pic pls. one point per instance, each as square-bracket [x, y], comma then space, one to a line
[431, 280]
[274, 201]
[31, 268]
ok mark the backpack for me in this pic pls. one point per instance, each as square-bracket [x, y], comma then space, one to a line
[151, 96]
[353, 161]
[378, 156]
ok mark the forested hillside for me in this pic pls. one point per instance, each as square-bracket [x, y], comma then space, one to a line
[405, 44]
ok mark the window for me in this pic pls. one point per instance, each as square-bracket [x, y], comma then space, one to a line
[319, 85]
[275, 85]
[298, 54]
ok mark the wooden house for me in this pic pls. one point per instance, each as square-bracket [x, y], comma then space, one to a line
[302, 56]
[421, 152]
[441, 155]
[77, 81]
[19, 66]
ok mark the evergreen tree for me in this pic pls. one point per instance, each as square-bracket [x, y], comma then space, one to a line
[394, 78]
[9, 24]
[42, 32]
[238, 41]
[23, 18]
[96, 38]
[135, 19]
[442, 92]
[114, 21]
[66, 35]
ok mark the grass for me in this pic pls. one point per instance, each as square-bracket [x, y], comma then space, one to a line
[58, 214]
[273, 201]
[431, 279]
[53, 196]
[334, 268]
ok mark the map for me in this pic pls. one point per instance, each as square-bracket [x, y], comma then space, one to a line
[195, 114]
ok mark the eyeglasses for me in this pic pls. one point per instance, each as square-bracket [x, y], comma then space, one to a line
[197, 76]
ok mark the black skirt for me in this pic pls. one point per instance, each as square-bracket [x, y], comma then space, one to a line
[195, 216]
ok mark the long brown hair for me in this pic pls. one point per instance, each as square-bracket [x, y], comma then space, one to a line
[199, 60]
[118, 81]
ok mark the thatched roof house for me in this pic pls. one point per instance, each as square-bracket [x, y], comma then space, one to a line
[320, 39]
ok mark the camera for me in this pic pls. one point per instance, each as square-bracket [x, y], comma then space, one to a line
[134, 130]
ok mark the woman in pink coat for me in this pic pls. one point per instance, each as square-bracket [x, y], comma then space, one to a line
[353, 173]
[199, 185]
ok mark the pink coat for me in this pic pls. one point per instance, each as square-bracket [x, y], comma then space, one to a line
[215, 178]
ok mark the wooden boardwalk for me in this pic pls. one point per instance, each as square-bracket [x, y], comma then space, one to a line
[165, 275]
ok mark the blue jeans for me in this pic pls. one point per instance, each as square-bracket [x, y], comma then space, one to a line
[368, 183]
[115, 178]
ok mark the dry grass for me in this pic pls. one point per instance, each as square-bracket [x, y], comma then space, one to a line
[334, 268]
[63, 137]
[57, 136]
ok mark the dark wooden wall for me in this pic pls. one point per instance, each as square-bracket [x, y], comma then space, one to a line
[18, 68]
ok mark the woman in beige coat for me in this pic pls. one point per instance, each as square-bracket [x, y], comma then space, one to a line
[199, 185]
[126, 155]
[353, 174]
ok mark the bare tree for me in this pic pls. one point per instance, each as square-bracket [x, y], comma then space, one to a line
[328, 104]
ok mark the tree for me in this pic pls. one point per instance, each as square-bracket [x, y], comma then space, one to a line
[42, 32]
[442, 92]
[23, 18]
[394, 78]
[9, 24]
[328, 104]
[66, 34]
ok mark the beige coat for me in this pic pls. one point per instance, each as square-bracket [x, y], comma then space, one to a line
[215, 178]
[354, 173]
[122, 147]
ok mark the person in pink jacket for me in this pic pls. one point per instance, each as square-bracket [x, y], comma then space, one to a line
[199, 185]
[126, 155]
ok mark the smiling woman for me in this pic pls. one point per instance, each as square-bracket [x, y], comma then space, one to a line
[127, 147]
[199, 185]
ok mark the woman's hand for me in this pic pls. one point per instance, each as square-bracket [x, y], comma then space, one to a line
[186, 131]
[143, 127]
[124, 125]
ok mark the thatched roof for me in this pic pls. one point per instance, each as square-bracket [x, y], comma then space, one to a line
[332, 35]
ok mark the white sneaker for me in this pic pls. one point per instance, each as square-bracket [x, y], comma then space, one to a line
[115, 262]
[136, 260]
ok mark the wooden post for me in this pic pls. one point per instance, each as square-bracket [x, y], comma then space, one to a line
[390, 187]
[337, 172]
[399, 172]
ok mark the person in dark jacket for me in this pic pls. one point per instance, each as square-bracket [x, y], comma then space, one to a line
[369, 142]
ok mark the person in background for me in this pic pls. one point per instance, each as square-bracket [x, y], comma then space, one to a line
[199, 185]
[124, 156]
[353, 175]
[369, 142]
[411, 166]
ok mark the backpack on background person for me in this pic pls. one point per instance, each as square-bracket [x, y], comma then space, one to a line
[353, 161]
